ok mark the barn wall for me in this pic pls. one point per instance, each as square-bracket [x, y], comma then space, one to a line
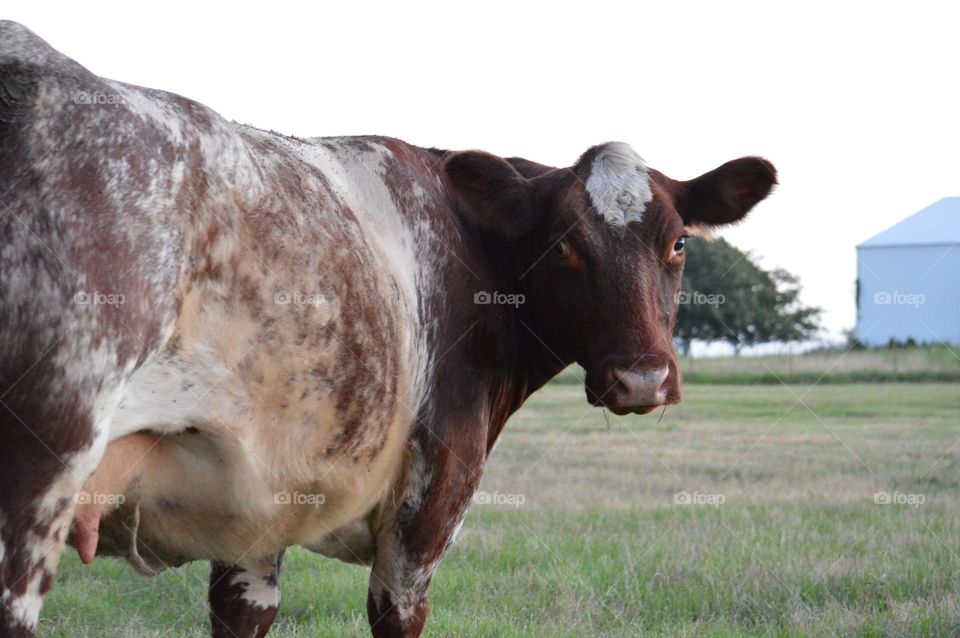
[908, 291]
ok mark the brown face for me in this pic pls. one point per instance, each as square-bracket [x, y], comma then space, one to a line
[600, 251]
[613, 291]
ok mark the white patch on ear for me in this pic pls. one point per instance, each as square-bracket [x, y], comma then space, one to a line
[619, 184]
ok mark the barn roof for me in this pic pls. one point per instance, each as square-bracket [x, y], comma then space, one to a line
[936, 224]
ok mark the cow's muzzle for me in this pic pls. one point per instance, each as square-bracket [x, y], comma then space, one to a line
[628, 391]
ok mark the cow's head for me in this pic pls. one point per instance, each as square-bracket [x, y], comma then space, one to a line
[598, 249]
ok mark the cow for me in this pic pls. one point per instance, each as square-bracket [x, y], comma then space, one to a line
[218, 342]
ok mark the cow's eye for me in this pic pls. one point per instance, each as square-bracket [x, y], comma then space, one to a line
[567, 257]
[678, 247]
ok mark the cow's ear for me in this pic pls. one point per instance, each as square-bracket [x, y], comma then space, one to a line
[497, 198]
[725, 194]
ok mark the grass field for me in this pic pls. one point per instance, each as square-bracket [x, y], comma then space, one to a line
[782, 535]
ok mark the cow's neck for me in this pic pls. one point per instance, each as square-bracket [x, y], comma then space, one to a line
[512, 353]
[531, 364]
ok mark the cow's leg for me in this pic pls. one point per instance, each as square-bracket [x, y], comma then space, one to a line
[50, 445]
[58, 394]
[244, 598]
[441, 480]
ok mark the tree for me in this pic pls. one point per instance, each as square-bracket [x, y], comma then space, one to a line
[728, 297]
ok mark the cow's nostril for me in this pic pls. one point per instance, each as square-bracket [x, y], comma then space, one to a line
[662, 375]
[625, 380]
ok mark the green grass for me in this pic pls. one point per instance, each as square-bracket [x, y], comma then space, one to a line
[599, 548]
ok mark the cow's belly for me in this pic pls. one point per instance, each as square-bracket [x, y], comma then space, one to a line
[237, 443]
[192, 498]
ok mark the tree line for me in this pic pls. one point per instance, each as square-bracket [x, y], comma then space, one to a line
[726, 296]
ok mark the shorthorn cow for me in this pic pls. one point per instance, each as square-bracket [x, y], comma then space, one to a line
[217, 342]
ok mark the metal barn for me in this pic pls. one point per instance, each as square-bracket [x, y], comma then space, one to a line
[908, 279]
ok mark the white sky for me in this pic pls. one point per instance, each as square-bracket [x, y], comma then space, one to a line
[857, 105]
